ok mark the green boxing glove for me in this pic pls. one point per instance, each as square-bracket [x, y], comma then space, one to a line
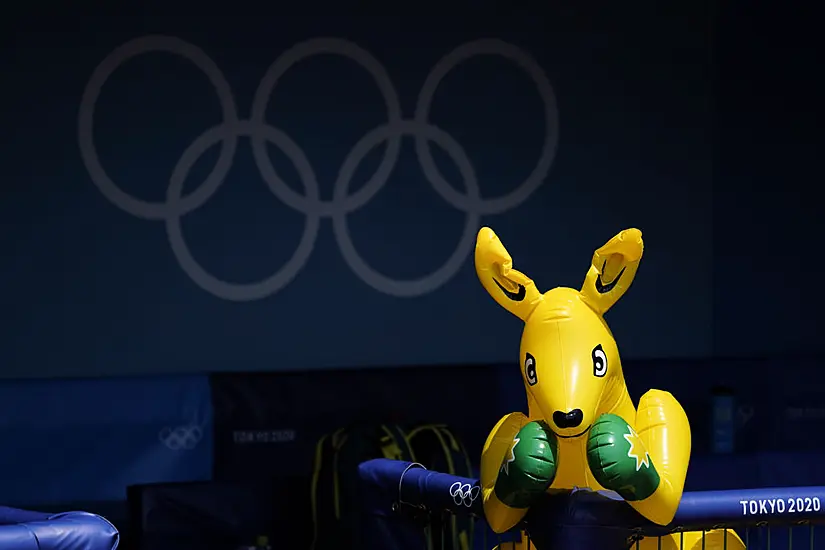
[619, 460]
[529, 468]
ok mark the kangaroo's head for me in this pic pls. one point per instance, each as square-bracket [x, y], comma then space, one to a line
[569, 359]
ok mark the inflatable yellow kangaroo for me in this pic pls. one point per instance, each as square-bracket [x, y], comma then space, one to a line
[582, 429]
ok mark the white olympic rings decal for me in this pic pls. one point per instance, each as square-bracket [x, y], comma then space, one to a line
[464, 493]
[310, 204]
[181, 438]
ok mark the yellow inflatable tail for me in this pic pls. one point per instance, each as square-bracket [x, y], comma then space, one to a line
[665, 432]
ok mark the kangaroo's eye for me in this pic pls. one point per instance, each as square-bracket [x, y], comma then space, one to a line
[530, 370]
[599, 361]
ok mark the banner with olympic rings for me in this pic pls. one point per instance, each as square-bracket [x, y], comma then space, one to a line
[212, 194]
[87, 440]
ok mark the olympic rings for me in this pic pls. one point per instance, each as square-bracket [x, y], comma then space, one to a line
[181, 438]
[434, 280]
[310, 203]
[346, 204]
[536, 178]
[276, 281]
[464, 494]
[88, 151]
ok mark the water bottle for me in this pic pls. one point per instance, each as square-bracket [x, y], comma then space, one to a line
[723, 420]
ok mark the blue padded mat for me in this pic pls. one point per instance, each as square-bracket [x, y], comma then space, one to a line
[26, 530]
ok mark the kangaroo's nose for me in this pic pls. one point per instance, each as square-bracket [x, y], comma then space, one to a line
[571, 419]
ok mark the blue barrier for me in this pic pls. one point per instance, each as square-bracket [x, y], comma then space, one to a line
[88, 439]
[580, 518]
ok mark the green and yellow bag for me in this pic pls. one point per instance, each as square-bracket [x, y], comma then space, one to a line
[335, 498]
[336, 504]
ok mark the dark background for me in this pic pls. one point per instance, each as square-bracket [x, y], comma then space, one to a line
[634, 131]
[697, 123]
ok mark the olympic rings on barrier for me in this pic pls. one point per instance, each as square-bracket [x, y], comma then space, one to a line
[310, 203]
[464, 493]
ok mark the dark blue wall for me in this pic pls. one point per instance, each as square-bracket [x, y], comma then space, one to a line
[93, 289]
[768, 222]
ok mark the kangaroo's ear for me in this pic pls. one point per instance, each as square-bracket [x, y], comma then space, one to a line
[513, 290]
[613, 269]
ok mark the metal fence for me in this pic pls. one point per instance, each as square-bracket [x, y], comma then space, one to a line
[408, 502]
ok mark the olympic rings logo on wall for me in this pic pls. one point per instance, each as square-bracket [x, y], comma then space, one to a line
[184, 436]
[181, 438]
[310, 204]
